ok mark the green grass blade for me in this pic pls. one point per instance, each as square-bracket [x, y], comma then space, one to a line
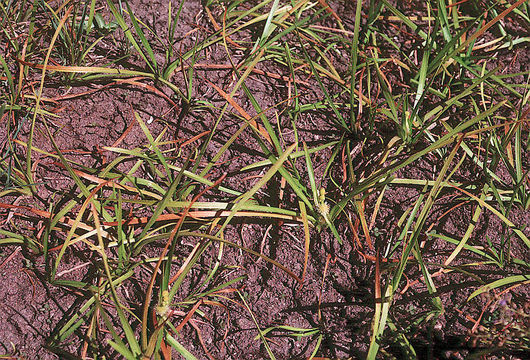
[179, 348]
[127, 31]
[510, 280]
[142, 37]
[268, 175]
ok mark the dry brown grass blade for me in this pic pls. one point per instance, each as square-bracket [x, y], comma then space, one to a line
[328, 260]
[125, 133]
[242, 112]
[201, 340]
[330, 10]
[377, 284]
[194, 138]
[166, 350]
[185, 263]
[21, 76]
[111, 183]
[307, 240]
[362, 217]
[203, 215]
[492, 22]
[47, 215]
[217, 27]
[10, 257]
[135, 81]
[71, 69]
[255, 71]
[422, 279]
[188, 316]
[355, 234]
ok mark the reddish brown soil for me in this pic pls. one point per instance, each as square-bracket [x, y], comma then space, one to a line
[337, 296]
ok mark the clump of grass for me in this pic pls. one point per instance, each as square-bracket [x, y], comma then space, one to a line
[440, 100]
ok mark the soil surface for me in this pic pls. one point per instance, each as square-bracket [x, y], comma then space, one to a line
[337, 296]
